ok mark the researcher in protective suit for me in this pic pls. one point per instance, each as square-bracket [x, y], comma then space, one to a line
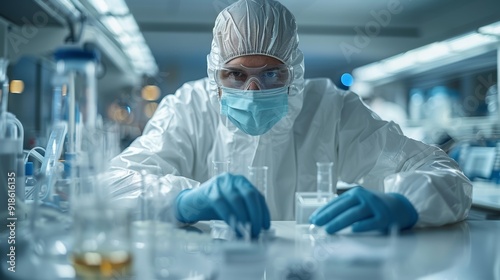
[256, 109]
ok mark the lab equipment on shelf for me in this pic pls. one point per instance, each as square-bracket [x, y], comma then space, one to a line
[75, 103]
[416, 105]
[495, 172]
[491, 100]
[68, 192]
[72, 159]
[11, 155]
[12, 178]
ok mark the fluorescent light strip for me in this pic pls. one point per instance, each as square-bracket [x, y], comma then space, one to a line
[399, 62]
[118, 20]
[122, 25]
[118, 7]
[469, 41]
[113, 25]
[100, 6]
[128, 23]
[115, 7]
[426, 54]
[373, 71]
[492, 29]
[432, 52]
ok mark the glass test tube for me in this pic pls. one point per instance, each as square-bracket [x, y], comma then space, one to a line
[258, 177]
[219, 167]
[324, 182]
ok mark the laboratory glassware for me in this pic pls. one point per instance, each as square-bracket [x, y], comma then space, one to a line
[324, 183]
[184, 254]
[156, 199]
[12, 178]
[11, 154]
[219, 167]
[218, 226]
[258, 177]
[102, 246]
[171, 253]
[71, 163]
[307, 202]
[73, 143]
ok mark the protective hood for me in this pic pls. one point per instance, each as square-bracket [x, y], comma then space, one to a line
[258, 27]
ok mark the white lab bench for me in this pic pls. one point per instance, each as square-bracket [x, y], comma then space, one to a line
[466, 250]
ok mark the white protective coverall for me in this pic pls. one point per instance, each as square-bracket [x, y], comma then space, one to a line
[323, 123]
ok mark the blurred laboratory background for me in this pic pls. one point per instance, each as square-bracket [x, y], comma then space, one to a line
[79, 80]
[431, 66]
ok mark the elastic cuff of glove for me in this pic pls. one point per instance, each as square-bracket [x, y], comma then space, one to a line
[412, 218]
[177, 214]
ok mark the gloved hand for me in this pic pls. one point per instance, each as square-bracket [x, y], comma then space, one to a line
[225, 197]
[365, 210]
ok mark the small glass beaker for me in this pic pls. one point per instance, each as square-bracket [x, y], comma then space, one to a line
[102, 246]
[219, 167]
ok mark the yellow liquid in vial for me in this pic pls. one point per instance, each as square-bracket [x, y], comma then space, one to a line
[97, 265]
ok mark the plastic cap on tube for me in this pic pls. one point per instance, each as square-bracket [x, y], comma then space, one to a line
[28, 168]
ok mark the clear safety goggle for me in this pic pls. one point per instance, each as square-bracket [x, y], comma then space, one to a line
[265, 77]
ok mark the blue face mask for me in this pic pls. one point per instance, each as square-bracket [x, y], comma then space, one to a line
[254, 111]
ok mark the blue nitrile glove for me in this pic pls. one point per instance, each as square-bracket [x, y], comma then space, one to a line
[224, 197]
[366, 210]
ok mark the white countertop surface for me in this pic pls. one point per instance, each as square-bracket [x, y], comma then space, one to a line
[466, 250]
